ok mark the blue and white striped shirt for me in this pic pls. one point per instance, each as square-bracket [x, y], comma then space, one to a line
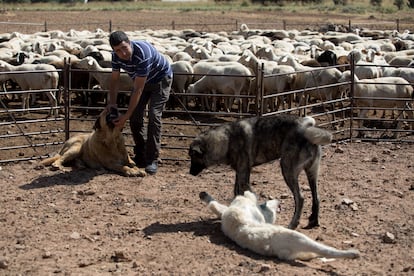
[146, 61]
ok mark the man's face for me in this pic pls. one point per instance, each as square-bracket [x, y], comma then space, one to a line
[123, 50]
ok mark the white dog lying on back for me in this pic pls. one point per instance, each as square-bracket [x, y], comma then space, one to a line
[251, 226]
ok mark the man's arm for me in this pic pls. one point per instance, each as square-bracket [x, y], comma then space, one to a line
[139, 84]
[114, 88]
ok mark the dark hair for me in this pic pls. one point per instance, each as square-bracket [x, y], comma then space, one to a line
[117, 38]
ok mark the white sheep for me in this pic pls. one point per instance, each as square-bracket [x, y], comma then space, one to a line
[387, 90]
[405, 73]
[47, 79]
[183, 77]
[401, 60]
[202, 67]
[234, 79]
[277, 78]
[320, 78]
[365, 69]
[102, 75]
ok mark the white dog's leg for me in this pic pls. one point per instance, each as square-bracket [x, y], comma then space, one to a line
[213, 205]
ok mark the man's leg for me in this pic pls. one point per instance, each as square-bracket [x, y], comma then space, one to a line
[136, 123]
[159, 97]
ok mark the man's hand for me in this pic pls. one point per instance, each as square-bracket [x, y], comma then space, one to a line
[120, 121]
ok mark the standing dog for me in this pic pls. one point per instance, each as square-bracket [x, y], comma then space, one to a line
[251, 226]
[250, 142]
[102, 148]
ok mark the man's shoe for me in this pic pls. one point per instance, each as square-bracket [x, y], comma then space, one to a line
[152, 168]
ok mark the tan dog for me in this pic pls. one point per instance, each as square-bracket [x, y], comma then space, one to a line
[102, 148]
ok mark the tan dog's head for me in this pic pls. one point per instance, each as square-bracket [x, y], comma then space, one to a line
[105, 119]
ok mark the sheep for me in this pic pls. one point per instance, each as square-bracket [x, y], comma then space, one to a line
[268, 53]
[197, 52]
[102, 75]
[321, 78]
[343, 62]
[219, 80]
[389, 56]
[302, 75]
[364, 69]
[401, 61]
[48, 79]
[202, 67]
[183, 77]
[327, 58]
[366, 90]
[405, 73]
[278, 78]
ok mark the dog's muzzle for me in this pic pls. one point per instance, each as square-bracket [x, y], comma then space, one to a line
[196, 168]
[112, 115]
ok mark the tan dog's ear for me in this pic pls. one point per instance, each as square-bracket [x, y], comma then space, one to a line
[97, 124]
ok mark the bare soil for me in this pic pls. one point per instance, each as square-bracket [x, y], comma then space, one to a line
[87, 222]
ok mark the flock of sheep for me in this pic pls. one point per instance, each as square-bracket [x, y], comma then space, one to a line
[227, 63]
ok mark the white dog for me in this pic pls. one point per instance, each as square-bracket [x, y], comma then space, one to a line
[251, 226]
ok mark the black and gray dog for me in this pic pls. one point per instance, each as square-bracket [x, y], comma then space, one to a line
[250, 142]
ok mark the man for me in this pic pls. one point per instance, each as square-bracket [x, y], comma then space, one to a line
[152, 77]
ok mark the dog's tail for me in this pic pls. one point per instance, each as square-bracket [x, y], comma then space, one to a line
[213, 205]
[317, 136]
[308, 121]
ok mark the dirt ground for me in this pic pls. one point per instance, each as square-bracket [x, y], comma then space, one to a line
[86, 222]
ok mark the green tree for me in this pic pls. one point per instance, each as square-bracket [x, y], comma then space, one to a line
[340, 2]
[399, 4]
[376, 3]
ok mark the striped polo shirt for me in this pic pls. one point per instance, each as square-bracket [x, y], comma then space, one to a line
[146, 61]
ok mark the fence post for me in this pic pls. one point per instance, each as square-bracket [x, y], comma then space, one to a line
[173, 25]
[351, 94]
[260, 89]
[237, 25]
[66, 76]
[110, 26]
[398, 24]
[284, 25]
[349, 26]
[45, 26]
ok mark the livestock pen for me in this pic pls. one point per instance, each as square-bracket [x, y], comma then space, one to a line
[31, 133]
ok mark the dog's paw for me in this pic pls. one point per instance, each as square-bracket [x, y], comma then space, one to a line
[56, 167]
[205, 197]
[135, 171]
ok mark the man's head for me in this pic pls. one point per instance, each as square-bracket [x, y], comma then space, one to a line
[121, 45]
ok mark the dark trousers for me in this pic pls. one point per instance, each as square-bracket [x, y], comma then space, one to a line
[156, 94]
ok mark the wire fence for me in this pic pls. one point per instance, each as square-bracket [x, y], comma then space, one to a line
[33, 132]
[231, 25]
